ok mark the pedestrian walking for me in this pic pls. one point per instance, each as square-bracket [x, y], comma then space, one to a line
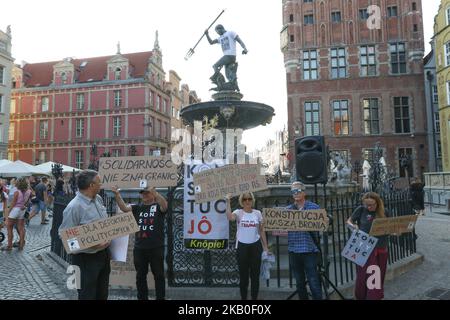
[304, 249]
[17, 214]
[149, 241]
[94, 262]
[362, 219]
[40, 201]
[250, 243]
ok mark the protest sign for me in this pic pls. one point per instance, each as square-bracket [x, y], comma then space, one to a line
[232, 179]
[359, 247]
[98, 232]
[205, 224]
[276, 219]
[137, 172]
[397, 225]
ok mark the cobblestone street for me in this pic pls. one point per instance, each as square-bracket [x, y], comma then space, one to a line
[22, 276]
[34, 275]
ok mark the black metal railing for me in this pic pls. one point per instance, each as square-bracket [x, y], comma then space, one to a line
[219, 268]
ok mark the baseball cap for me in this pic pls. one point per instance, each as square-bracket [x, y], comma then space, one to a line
[146, 189]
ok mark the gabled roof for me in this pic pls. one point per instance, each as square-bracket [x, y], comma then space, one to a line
[41, 74]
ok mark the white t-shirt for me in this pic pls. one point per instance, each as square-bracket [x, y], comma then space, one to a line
[1, 202]
[228, 44]
[247, 226]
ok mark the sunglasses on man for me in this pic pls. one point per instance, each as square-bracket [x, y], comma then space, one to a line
[296, 191]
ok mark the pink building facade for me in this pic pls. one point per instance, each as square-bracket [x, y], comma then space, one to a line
[65, 110]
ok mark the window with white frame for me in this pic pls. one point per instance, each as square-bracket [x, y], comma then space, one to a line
[117, 98]
[158, 102]
[1, 103]
[13, 106]
[12, 128]
[371, 116]
[150, 98]
[42, 156]
[43, 129]
[164, 110]
[310, 65]
[116, 153]
[435, 94]
[173, 112]
[437, 123]
[44, 104]
[439, 148]
[63, 78]
[448, 92]
[338, 63]
[341, 118]
[312, 118]
[398, 58]
[79, 159]
[447, 53]
[118, 74]
[117, 126]
[367, 60]
[79, 128]
[80, 101]
[11, 156]
[447, 13]
[2, 75]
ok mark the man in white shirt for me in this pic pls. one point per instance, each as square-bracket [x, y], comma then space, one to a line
[228, 41]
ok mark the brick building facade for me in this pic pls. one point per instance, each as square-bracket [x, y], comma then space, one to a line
[357, 80]
[75, 110]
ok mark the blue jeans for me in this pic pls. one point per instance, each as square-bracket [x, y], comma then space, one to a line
[306, 263]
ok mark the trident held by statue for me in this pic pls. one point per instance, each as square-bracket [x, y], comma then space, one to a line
[191, 51]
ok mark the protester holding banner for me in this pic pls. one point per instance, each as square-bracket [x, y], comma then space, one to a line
[303, 247]
[250, 243]
[149, 241]
[362, 219]
[94, 262]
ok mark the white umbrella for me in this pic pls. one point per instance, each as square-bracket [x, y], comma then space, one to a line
[19, 169]
[47, 167]
[4, 161]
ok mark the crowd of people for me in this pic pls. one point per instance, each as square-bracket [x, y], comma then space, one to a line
[23, 198]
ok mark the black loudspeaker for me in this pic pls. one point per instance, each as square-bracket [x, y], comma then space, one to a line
[311, 162]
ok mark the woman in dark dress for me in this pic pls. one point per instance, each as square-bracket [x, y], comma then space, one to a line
[417, 196]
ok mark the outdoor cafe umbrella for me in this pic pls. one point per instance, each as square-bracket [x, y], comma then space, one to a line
[20, 169]
[47, 167]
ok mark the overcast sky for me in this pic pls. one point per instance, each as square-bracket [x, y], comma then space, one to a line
[49, 30]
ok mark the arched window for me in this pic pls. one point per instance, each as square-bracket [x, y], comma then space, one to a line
[118, 74]
[63, 78]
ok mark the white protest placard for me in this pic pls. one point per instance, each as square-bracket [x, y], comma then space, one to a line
[276, 219]
[205, 224]
[136, 172]
[119, 249]
[235, 179]
[89, 235]
[359, 247]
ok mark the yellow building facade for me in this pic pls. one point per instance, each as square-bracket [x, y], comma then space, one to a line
[442, 46]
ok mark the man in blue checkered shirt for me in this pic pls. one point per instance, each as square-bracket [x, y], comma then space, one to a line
[303, 252]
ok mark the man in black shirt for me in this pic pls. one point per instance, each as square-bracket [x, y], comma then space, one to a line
[40, 203]
[149, 241]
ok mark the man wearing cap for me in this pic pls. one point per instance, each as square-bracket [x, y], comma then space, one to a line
[149, 241]
[303, 249]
